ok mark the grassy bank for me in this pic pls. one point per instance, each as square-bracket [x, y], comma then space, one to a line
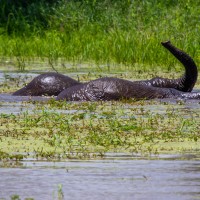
[101, 32]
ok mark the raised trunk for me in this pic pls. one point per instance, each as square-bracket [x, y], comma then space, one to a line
[186, 82]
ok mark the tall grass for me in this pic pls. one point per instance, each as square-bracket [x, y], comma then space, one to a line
[104, 32]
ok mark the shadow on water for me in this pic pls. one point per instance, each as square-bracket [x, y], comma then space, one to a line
[104, 179]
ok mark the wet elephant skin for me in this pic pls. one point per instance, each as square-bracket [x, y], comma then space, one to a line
[106, 89]
[54, 83]
[48, 84]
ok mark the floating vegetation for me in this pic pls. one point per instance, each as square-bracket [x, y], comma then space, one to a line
[50, 131]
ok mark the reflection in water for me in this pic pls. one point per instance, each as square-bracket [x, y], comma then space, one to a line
[104, 179]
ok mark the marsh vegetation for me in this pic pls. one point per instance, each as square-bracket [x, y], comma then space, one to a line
[98, 33]
[94, 39]
[117, 149]
[60, 130]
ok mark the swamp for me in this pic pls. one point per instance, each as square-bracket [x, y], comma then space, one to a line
[127, 149]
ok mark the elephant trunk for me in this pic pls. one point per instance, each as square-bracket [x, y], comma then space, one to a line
[188, 80]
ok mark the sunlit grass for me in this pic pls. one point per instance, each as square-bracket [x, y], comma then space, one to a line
[106, 32]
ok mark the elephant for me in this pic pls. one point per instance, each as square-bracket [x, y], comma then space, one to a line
[47, 84]
[184, 83]
[51, 83]
[109, 88]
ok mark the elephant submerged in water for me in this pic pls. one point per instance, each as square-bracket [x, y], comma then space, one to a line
[47, 84]
[106, 89]
[109, 88]
[113, 88]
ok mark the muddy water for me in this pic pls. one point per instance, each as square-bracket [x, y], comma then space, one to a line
[103, 179]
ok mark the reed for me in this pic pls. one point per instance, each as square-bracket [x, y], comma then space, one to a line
[102, 32]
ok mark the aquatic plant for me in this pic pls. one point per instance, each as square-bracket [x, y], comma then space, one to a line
[60, 130]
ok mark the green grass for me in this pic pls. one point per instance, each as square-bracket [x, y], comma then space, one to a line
[126, 33]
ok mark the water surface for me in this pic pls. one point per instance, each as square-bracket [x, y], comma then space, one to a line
[104, 179]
